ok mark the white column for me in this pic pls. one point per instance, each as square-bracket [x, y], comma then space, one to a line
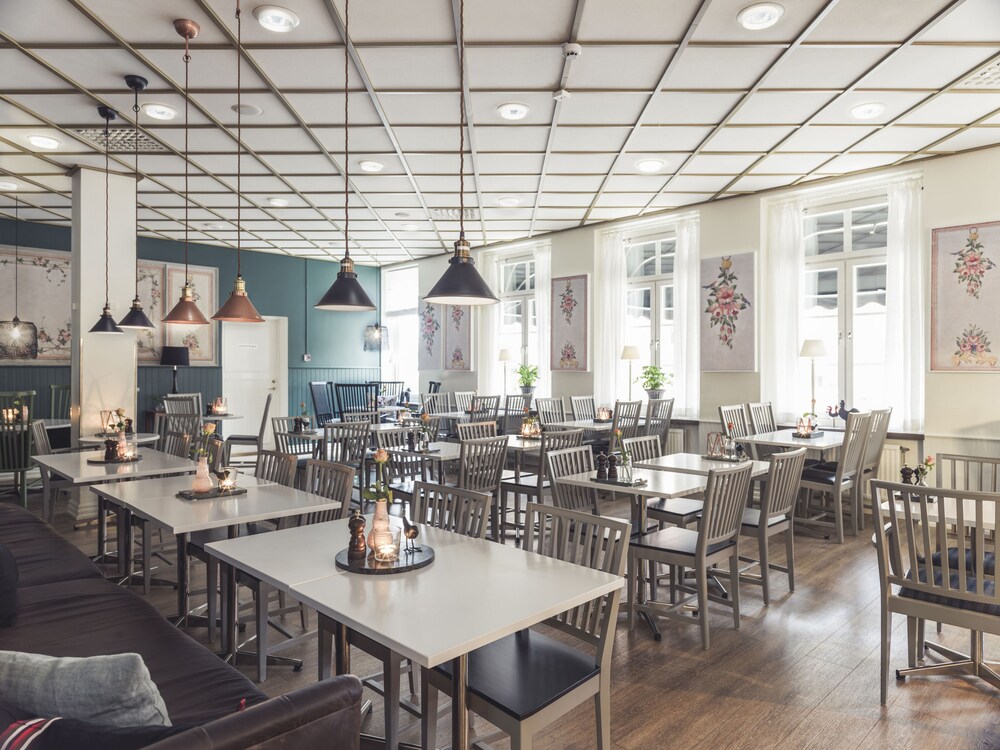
[103, 365]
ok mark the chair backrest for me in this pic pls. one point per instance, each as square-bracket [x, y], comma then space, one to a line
[401, 467]
[285, 439]
[659, 412]
[322, 398]
[460, 510]
[485, 408]
[555, 440]
[463, 400]
[762, 417]
[389, 391]
[876, 439]
[626, 419]
[514, 408]
[40, 439]
[954, 471]
[187, 424]
[59, 401]
[347, 442]
[782, 485]
[277, 467]
[263, 420]
[433, 386]
[176, 444]
[371, 417]
[725, 499]
[550, 410]
[568, 461]
[476, 430]
[355, 397]
[330, 480]
[435, 403]
[582, 407]
[215, 452]
[735, 421]
[481, 462]
[914, 522]
[643, 448]
[183, 403]
[595, 542]
[852, 453]
[15, 434]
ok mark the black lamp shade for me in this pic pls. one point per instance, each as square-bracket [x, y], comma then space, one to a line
[461, 284]
[106, 323]
[135, 317]
[18, 339]
[346, 295]
[176, 356]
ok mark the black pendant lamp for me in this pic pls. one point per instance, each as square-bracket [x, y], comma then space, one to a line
[238, 308]
[346, 293]
[461, 283]
[106, 323]
[186, 310]
[135, 318]
[18, 338]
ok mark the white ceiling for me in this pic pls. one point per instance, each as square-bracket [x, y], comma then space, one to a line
[727, 110]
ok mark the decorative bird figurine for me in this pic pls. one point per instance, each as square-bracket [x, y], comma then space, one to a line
[411, 531]
[842, 412]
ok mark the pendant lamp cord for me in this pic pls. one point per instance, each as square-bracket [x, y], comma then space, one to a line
[187, 163]
[239, 133]
[135, 111]
[17, 255]
[347, 150]
[461, 118]
[107, 210]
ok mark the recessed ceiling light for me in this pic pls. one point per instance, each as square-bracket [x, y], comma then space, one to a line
[8, 186]
[370, 165]
[513, 110]
[649, 165]
[159, 111]
[275, 18]
[247, 110]
[508, 201]
[278, 202]
[43, 141]
[402, 214]
[867, 110]
[760, 16]
[212, 225]
[409, 227]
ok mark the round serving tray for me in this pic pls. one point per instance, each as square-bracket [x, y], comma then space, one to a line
[101, 461]
[407, 561]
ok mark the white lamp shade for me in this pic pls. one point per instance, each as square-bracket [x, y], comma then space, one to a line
[505, 356]
[813, 348]
[631, 353]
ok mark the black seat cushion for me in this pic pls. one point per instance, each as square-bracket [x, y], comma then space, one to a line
[527, 481]
[8, 587]
[242, 438]
[955, 584]
[820, 475]
[989, 561]
[525, 672]
[675, 539]
[679, 511]
[751, 518]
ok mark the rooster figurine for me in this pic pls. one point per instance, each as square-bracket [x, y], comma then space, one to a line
[842, 412]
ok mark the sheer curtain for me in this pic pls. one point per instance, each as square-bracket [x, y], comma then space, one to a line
[609, 314]
[687, 315]
[904, 323]
[489, 375]
[781, 369]
[543, 309]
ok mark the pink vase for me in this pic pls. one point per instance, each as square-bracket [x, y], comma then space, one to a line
[380, 524]
[202, 479]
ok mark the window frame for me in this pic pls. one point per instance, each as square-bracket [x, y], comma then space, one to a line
[656, 283]
[525, 296]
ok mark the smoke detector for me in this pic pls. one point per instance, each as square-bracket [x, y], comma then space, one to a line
[572, 51]
[561, 95]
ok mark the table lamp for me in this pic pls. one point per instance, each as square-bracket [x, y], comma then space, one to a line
[630, 353]
[175, 356]
[505, 357]
[812, 348]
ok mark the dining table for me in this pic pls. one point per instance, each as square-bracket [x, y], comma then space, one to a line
[590, 425]
[695, 463]
[829, 441]
[141, 438]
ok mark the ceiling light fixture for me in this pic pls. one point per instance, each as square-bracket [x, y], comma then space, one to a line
[461, 283]
[8, 187]
[159, 111]
[278, 202]
[346, 293]
[649, 165]
[247, 110]
[18, 339]
[508, 201]
[44, 141]
[760, 16]
[513, 110]
[238, 308]
[135, 318]
[409, 227]
[212, 225]
[106, 323]
[867, 110]
[186, 310]
[370, 165]
[275, 18]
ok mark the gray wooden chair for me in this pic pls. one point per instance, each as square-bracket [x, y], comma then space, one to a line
[583, 407]
[550, 410]
[480, 468]
[659, 412]
[183, 403]
[761, 416]
[513, 413]
[568, 461]
[287, 441]
[436, 403]
[403, 470]
[277, 467]
[176, 444]
[255, 441]
[626, 419]
[485, 409]
[476, 430]
[371, 417]
[972, 473]
[463, 400]
[677, 511]
[735, 421]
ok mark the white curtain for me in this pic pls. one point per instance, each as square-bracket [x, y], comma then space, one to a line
[783, 264]
[543, 309]
[687, 315]
[609, 314]
[489, 375]
[905, 305]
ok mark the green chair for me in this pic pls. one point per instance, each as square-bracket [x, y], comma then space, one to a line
[16, 409]
[59, 400]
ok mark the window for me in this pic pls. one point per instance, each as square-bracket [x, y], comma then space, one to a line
[845, 301]
[518, 319]
[400, 301]
[649, 304]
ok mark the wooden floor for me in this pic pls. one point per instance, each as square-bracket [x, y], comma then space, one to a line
[801, 673]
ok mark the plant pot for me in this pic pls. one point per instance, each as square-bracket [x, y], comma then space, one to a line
[202, 479]
[527, 390]
[654, 393]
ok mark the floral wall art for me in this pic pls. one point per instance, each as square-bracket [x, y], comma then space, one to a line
[457, 336]
[965, 297]
[569, 324]
[429, 351]
[728, 329]
[199, 339]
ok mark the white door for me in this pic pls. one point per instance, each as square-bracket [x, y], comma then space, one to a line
[255, 364]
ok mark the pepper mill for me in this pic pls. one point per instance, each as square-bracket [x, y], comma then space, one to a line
[602, 466]
[613, 467]
[110, 449]
[358, 548]
[906, 474]
[411, 441]
[128, 427]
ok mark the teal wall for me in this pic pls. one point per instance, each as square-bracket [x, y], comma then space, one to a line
[278, 285]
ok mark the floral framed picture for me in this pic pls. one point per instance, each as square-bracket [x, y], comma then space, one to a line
[965, 297]
[430, 344]
[457, 336]
[199, 339]
[728, 329]
[569, 316]
[152, 277]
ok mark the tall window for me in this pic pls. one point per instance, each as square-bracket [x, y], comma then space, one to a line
[649, 304]
[845, 300]
[518, 321]
[400, 300]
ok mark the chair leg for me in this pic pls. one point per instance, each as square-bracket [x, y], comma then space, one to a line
[838, 515]
[920, 638]
[262, 600]
[886, 636]
[790, 557]
[765, 570]
[602, 709]
[428, 711]
[911, 641]
[631, 599]
[734, 586]
[503, 517]
[702, 581]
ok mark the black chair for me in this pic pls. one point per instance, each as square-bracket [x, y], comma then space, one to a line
[355, 397]
[322, 398]
[16, 408]
[433, 386]
[59, 401]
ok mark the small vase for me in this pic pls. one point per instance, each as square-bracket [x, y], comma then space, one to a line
[625, 471]
[202, 479]
[380, 525]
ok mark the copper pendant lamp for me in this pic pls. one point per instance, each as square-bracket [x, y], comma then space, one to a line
[346, 293]
[238, 308]
[186, 310]
[461, 283]
[106, 323]
[18, 338]
[135, 318]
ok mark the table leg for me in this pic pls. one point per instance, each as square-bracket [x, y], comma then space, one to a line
[183, 592]
[47, 509]
[102, 529]
[459, 712]
[325, 627]
[342, 649]
[147, 557]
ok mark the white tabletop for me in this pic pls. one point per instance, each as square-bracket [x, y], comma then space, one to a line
[787, 439]
[219, 417]
[475, 592]
[588, 424]
[666, 484]
[443, 451]
[517, 444]
[73, 467]
[141, 438]
[693, 463]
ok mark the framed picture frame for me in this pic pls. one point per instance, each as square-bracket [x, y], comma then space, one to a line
[429, 352]
[457, 337]
[569, 323]
[728, 328]
[201, 340]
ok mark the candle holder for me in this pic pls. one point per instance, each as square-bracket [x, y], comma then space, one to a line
[603, 415]
[220, 406]
[531, 427]
[227, 480]
[387, 544]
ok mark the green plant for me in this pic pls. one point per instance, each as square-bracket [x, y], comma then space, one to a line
[527, 375]
[653, 378]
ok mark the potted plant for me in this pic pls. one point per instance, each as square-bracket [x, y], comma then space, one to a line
[527, 376]
[653, 379]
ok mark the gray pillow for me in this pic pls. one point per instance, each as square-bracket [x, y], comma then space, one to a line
[115, 690]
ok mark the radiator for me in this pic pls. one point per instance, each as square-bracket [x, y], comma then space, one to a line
[675, 441]
[888, 468]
